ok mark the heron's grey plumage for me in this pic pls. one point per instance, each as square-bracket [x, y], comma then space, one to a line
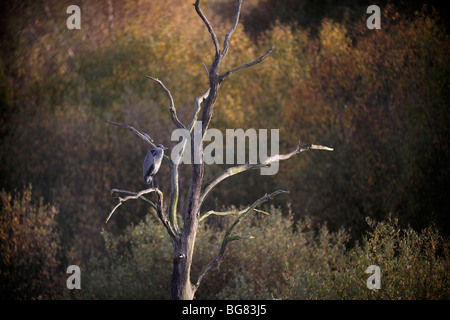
[152, 162]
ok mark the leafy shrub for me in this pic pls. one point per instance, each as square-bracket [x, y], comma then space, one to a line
[278, 263]
[30, 250]
[137, 265]
[413, 266]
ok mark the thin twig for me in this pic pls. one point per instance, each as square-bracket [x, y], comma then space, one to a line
[246, 65]
[141, 135]
[208, 25]
[198, 101]
[226, 42]
[233, 212]
[159, 208]
[133, 193]
[173, 111]
[206, 69]
[227, 238]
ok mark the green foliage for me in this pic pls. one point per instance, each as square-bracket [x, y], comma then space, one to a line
[136, 265]
[30, 259]
[278, 263]
[413, 266]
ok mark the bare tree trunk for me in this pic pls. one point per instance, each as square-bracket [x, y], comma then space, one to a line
[180, 283]
[181, 287]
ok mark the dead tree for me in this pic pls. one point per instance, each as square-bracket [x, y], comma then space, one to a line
[183, 237]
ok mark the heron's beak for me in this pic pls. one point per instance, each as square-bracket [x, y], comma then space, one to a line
[165, 148]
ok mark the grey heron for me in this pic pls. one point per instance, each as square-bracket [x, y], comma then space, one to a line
[152, 162]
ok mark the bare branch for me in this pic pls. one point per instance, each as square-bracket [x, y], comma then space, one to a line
[132, 195]
[173, 111]
[159, 208]
[208, 25]
[246, 65]
[148, 201]
[261, 211]
[214, 262]
[227, 236]
[233, 212]
[319, 147]
[226, 43]
[220, 213]
[245, 167]
[249, 209]
[141, 135]
[214, 78]
[174, 195]
[198, 101]
[206, 69]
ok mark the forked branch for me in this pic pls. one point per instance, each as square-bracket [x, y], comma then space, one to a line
[214, 78]
[132, 195]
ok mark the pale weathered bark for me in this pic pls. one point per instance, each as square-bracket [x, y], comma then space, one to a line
[183, 238]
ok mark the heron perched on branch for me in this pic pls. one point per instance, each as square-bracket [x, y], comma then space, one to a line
[152, 162]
